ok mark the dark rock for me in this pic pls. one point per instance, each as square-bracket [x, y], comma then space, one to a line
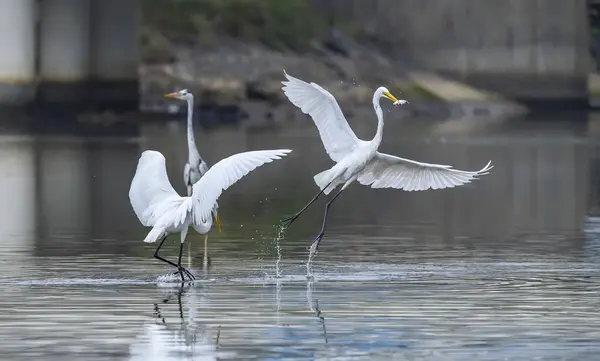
[235, 72]
[267, 89]
[339, 43]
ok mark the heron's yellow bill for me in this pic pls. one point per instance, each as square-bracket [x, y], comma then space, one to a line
[389, 96]
[218, 223]
[171, 95]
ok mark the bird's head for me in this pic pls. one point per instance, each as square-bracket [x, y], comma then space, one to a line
[383, 92]
[182, 95]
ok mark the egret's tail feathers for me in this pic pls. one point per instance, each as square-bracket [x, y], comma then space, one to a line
[323, 179]
[154, 234]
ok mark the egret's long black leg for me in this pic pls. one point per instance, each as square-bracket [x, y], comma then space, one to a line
[317, 240]
[159, 257]
[188, 273]
[156, 255]
[181, 269]
[288, 221]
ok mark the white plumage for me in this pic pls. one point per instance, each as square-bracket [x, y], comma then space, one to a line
[338, 139]
[389, 171]
[359, 160]
[158, 205]
[380, 170]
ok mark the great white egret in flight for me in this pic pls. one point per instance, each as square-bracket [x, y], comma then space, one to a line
[359, 160]
[157, 204]
[195, 167]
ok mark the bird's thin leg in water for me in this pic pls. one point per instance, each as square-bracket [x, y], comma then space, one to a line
[288, 221]
[182, 269]
[159, 257]
[317, 240]
[188, 273]
[179, 267]
[189, 255]
[205, 260]
[180, 305]
[321, 318]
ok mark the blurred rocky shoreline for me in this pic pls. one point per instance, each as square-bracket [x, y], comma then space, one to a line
[234, 72]
[242, 80]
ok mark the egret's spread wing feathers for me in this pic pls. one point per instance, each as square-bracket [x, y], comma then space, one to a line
[388, 171]
[150, 186]
[223, 175]
[336, 135]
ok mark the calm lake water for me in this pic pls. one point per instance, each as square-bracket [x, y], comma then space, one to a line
[505, 268]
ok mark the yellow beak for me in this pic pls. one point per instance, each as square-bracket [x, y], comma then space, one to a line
[218, 223]
[389, 96]
[171, 95]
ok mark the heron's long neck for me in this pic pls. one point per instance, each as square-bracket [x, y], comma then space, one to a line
[192, 150]
[379, 134]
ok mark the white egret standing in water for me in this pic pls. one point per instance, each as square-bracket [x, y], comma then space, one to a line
[359, 160]
[195, 167]
[157, 204]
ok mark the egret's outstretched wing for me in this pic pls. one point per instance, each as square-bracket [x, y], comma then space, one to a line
[150, 185]
[336, 135]
[224, 174]
[388, 171]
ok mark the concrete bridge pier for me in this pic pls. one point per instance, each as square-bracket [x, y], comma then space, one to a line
[115, 52]
[64, 51]
[17, 43]
[69, 51]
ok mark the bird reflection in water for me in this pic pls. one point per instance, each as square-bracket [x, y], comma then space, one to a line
[314, 307]
[163, 339]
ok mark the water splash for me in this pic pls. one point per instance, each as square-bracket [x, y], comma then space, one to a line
[170, 277]
[276, 240]
[311, 253]
[309, 297]
[170, 280]
[278, 300]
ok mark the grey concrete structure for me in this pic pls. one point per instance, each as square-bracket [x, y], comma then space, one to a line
[87, 50]
[17, 59]
[69, 51]
[526, 49]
